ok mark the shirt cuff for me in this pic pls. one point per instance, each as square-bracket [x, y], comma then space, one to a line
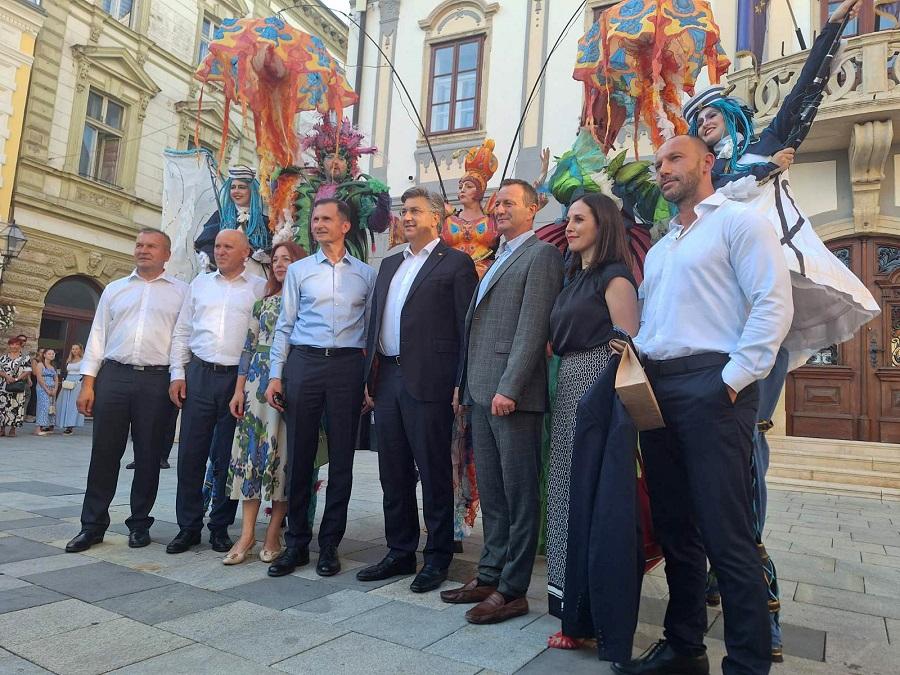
[275, 371]
[90, 369]
[736, 377]
[177, 373]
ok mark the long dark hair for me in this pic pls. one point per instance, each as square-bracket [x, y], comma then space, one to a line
[273, 286]
[612, 241]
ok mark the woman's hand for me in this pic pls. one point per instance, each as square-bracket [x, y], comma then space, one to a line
[236, 405]
[850, 7]
[784, 158]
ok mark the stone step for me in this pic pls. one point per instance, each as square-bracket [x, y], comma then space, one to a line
[827, 460]
[835, 475]
[835, 447]
[775, 481]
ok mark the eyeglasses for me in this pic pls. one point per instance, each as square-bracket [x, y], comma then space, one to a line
[415, 212]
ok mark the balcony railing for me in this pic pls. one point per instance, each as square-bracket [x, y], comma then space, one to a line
[867, 77]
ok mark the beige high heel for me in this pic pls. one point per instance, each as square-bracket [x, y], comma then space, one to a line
[237, 557]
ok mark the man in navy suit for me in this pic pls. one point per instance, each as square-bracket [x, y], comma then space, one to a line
[415, 340]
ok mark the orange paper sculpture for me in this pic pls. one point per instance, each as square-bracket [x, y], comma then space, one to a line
[638, 60]
[275, 71]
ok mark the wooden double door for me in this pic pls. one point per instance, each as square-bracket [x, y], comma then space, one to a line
[852, 391]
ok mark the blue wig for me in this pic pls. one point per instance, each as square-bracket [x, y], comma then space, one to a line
[257, 232]
[738, 125]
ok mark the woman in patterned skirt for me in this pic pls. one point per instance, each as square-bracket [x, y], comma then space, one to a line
[14, 369]
[256, 471]
[47, 378]
[599, 294]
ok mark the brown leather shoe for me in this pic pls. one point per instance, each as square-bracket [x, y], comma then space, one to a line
[467, 594]
[495, 609]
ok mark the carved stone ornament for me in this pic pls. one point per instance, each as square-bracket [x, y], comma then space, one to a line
[95, 260]
[143, 102]
[870, 144]
[390, 10]
[84, 72]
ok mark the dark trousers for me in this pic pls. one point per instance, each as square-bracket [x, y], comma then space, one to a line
[126, 400]
[507, 465]
[413, 433]
[171, 425]
[207, 430]
[698, 473]
[315, 384]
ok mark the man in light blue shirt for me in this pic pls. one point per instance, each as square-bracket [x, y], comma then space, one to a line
[317, 367]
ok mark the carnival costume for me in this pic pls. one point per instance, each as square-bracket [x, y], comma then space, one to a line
[249, 219]
[297, 189]
[830, 302]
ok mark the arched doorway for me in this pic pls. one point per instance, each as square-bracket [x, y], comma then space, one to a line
[852, 391]
[68, 312]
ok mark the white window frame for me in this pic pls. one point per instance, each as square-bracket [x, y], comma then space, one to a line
[103, 134]
[204, 39]
[113, 7]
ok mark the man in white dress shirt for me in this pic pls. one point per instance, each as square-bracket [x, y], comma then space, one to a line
[716, 307]
[125, 388]
[415, 340]
[206, 348]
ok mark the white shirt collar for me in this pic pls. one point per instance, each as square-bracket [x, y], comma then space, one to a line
[242, 275]
[165, 276]
[515, 242]
[425, 251]
[711, 203]
[321, 257]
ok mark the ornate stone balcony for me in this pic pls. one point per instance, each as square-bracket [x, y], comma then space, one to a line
[865, 86]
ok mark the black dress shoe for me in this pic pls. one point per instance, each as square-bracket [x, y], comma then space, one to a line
[138, 538]
[163, 464]
[661, 659]
[183, 541]
[288, 561]
[83, 541]
[329, 564]
[220, 541]
[389, 567]
[428, 579]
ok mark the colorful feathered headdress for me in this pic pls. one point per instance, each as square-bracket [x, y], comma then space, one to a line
[481, 164]
[326, 139]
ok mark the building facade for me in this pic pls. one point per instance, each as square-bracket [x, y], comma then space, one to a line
[470, 66]
[112, 88]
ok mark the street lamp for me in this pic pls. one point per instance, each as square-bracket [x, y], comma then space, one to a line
[12, 241]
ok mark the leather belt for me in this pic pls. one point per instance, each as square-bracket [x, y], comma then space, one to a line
[152, 369]
[393, 360]
[215, 367]
[685, 364]
[327, 351]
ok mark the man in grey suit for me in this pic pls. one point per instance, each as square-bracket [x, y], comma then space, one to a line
[504, 380]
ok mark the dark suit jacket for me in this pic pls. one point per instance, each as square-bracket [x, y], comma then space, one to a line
[507, 331]
[431, 322]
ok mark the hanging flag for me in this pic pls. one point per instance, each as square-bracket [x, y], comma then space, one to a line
[752, 17]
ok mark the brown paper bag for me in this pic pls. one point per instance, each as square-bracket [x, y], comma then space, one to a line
[634, 389]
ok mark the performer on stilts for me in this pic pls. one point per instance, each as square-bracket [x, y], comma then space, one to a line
[830, 303]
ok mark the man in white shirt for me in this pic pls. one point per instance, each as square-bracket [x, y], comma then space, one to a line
[416, 332]
[716, 307]
[125, 388]
[206, 348]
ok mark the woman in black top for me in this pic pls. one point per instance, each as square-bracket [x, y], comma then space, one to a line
[600, 293]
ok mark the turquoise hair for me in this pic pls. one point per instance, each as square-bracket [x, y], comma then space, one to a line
[738, 125]
[257, 232]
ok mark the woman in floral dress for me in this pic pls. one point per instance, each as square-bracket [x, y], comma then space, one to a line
[14, 367]
[256, 471]
[47, 379]
[67, 415]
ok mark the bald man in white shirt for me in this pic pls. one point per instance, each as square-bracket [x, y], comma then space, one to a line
[716, 306]
[125, 387]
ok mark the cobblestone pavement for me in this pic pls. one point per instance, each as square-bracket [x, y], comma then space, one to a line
[143, 611]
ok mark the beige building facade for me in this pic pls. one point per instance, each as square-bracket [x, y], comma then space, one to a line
[112, 88]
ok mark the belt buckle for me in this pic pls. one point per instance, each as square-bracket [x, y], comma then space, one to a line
[138, 368]
[327, 351]
[397, 359]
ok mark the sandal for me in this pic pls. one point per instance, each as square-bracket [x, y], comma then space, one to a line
[560, 641]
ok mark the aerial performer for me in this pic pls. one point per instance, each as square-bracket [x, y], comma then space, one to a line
[240, 207]
[336, 174]
[830, 303]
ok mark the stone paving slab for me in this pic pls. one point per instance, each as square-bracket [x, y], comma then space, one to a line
[256, 633]
[405, 624]
[59, 617]
[212, 575]
[161, 531]
[60, 512]
[35, 487]
[279, 593]
[10, 663]
[861, 603]
[195, 658]
[50, 533]
[34, 521]
[95, 582]
[156, 605]
[355, 654]
[494, 646]
[14, 549]
[797, 641]
[14, 599]
[337, 607]
[571, 662]
[6, 583]
[99, 648]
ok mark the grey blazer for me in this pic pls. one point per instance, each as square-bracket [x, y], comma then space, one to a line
[507, 332]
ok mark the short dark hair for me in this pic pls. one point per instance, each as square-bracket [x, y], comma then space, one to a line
[342, 207]
[435, 201]
[611, 245]
[153, 230]
[531, 195]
